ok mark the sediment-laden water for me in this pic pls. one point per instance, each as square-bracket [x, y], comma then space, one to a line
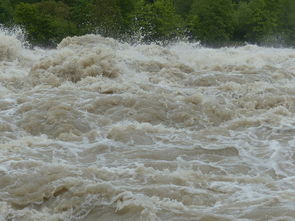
[102, 130]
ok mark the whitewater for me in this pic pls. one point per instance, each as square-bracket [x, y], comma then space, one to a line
[97, 129]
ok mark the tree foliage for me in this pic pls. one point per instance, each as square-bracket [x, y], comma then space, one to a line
[286, 26]
[157, 21]
[213, 22]
[6, 12]
[46, 22]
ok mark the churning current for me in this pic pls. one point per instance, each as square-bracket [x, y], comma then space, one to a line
[101, 130]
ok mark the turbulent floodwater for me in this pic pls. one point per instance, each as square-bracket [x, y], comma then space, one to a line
[101, 130]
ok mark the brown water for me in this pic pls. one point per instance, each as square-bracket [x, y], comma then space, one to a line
[100, 130]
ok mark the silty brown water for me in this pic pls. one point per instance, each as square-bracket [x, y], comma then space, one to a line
[102, 130]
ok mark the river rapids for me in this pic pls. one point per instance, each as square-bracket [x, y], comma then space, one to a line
[101, 130]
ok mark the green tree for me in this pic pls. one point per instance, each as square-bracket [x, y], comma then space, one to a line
[81, 14]
[45, 22]
[16, 2]
[257, 21]
[127, 9]
[214, 22]
[110, 18]
[107, 18]
[6, 12]
[183, 7]
[211, 21]
[287, 21]
[158, 21]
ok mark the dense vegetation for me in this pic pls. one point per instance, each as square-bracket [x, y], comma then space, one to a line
[213, 22]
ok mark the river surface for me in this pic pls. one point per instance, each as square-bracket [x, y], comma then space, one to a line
[101, 130]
